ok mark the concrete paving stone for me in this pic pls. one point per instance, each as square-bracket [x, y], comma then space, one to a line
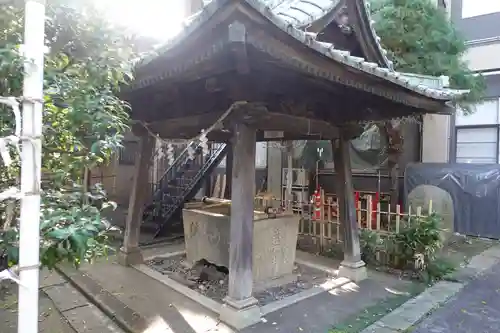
[90, 319]
[481, 263]
[400, 322]
[49, 319]
[65, 297]
[463, 275]
[444, 290]
[411, 312]
[424, 300]
[492, 252]
[132, 319]
[50, 278]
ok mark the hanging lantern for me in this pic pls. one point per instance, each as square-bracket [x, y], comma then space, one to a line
[203, 142]
[161, 152]
[190, 152]
[170, 154]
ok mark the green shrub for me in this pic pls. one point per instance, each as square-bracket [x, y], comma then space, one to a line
[419, 236]
[370, 243]
[415, 247]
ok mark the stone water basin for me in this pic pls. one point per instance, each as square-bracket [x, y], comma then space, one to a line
[207, 230]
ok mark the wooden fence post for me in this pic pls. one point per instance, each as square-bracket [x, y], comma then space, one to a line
[369, 209]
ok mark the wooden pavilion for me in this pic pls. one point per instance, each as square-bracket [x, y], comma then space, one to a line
[261, 64]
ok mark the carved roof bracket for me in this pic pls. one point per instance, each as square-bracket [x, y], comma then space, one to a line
[342, 20]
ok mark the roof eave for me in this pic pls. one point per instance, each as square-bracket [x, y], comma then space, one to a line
[326, 49]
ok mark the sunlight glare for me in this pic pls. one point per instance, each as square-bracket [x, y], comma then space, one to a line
[158, 325]
[156, 19]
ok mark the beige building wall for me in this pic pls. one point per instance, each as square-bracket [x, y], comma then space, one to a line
[484, 55]
[436, 138]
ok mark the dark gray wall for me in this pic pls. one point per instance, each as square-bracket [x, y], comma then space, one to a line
[371, 181]
[478, 27]
[361, 182]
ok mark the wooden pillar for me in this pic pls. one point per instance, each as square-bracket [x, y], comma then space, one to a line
[352, 266]
[240, 308]
[229, 170]
[130, 253]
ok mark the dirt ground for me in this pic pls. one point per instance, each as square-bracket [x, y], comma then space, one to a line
[50, 320]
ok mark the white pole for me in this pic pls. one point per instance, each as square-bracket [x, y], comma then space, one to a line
[31, 157]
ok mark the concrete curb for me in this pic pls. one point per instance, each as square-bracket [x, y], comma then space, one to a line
[411, 312]
[73, 307]
[126, 318]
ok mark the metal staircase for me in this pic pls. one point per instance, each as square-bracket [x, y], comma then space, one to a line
[178, 184]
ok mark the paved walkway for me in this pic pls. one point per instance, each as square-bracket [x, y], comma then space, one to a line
[129, 294]
[75, 310]
[50, 320]
[141, 304]
[475, 309]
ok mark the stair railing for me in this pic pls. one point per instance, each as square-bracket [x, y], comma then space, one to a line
[214, 158]
[174, 168]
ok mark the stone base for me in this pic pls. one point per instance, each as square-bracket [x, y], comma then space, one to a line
[354, 271]
[240, 314]
[130, 257]
[271, 283]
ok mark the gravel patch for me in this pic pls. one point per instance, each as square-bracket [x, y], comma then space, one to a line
[212, 281]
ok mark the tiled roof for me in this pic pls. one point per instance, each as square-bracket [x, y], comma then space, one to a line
[383, 51]
[303, 12]
[327, 49]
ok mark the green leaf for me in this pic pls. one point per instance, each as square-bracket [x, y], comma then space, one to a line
[79, 244]
[13, 254]
[58, 234]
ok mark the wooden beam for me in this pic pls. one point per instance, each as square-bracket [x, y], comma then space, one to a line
[296, 127]
[274, 121]
[200, 122]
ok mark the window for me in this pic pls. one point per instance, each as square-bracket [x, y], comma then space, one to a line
[472, 8]
[126, 154]
[484, 114]
[260, 156]
[477, 145]
[477, 135]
